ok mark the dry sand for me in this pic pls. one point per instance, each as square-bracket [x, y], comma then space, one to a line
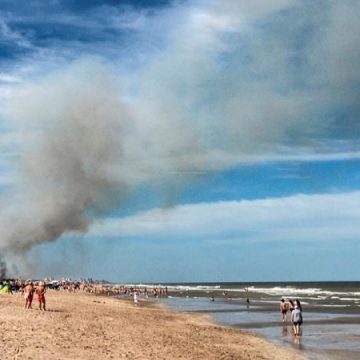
[82, 326]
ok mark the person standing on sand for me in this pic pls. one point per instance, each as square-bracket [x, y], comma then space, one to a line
[28, 294]
[136, 297]
[283, 310]
[297, 318]
[40, 292]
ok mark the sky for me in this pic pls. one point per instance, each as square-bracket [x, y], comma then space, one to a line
[180, 141]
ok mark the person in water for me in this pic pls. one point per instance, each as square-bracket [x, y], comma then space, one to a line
[283, 310]
[291, 306]
[297, 318]
[40, 292]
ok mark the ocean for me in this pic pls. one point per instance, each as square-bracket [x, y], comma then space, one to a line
[331, 310]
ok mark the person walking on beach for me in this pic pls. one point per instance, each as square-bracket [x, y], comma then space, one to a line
[135, 294]
[297, 318]
[40, 292]
[28, 294]
[283, 310]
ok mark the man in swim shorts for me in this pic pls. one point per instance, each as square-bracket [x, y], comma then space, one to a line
[283, 310]
[40, 292]
[28, 294]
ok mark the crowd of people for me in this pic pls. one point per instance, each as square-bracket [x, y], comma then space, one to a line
[296, 317]
[127, 291]
[30, 288]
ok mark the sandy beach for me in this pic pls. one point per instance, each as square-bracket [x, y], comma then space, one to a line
[83, 326]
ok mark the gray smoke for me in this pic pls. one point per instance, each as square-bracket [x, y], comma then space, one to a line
[83, 149]
[73, 123]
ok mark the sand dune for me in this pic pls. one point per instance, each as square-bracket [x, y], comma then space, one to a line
[82, 326]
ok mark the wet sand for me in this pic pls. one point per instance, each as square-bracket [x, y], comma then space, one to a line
[82, 326]
[338, 321]
[329, 332]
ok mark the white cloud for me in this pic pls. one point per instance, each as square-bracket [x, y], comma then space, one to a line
[8, 78]
[215, 80]
[7, 179]
[226, 84]
[296, 218]
[8, 34]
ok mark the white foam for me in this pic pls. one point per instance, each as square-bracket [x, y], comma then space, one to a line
[206, 288]
[281, 291]
[290, 291]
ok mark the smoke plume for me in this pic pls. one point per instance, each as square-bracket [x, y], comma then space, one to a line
[83, 149]
[73, 123]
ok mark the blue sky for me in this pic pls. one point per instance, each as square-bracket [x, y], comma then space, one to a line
[168, 141]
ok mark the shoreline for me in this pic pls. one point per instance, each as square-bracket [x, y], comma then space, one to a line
[320, 340]
[84, 326]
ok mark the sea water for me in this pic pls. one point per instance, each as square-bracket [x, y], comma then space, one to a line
[331, 311]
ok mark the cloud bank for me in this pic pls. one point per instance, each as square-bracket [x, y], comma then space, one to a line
[299, 218]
